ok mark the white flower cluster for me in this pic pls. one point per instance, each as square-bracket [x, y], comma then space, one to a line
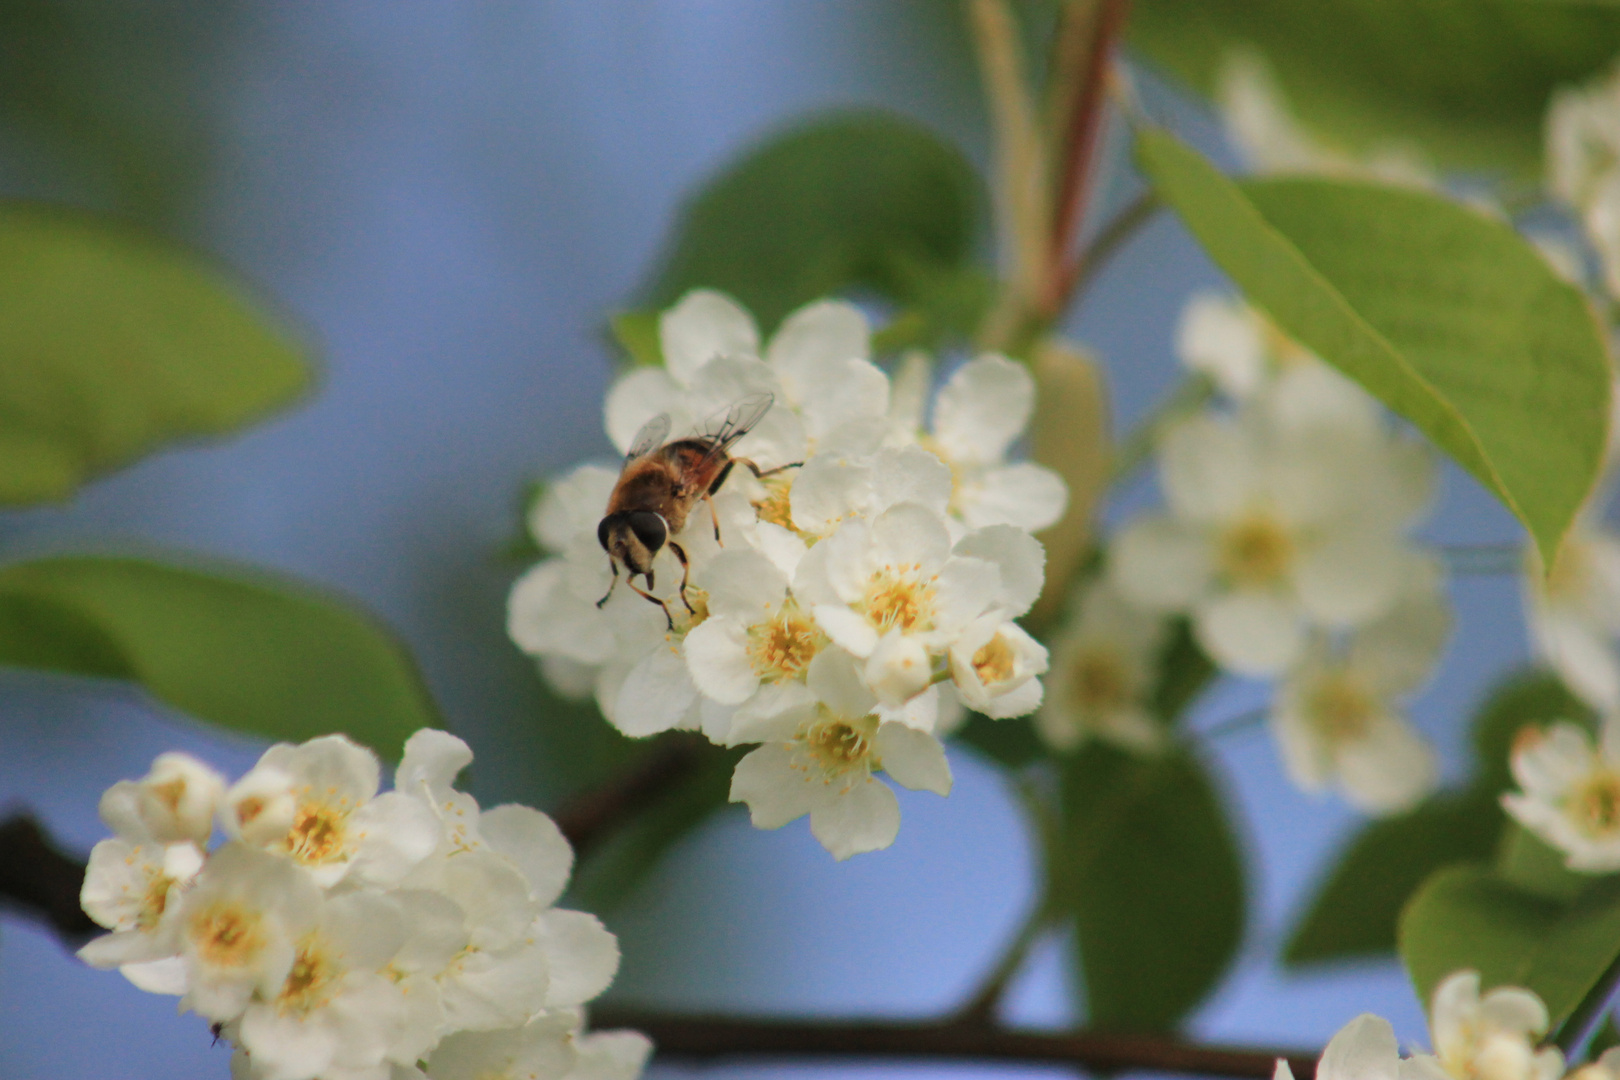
[1570, 792]
[1475, 1038]
[838, 610]
[1284, 542]
[342, 934]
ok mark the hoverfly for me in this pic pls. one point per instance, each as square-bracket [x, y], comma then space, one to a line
[660, 484]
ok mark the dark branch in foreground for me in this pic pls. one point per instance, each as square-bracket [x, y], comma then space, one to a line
[41, 881]
[703, 1038]
[588, 818]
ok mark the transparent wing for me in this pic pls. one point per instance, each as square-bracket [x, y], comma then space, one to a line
[653, 434]
[738, 419]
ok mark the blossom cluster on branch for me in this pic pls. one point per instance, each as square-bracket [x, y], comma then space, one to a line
[850, 593]
[341, 934]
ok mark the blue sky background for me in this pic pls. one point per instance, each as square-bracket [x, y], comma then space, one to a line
[451, 197]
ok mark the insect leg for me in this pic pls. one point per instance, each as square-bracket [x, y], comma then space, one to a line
[612, 584]
[763, 473]
[686, 567]
[714, 517]
[725, 472]
[645, 595]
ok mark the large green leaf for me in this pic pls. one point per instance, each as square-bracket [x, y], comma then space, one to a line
[1355, 910]
[1469, 917]
[114, 342]
[854, 200]
[1448, 316]
[1147, 865]
[1465, 80]
[232, 647]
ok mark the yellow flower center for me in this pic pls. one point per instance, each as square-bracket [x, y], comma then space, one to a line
[154, 900]
[777, 505]
[686, 620]
[782, 648]
[318, 834]
[227, 935]
[993, 663]
[1256, 550]
[1100, 681]
[837, 744]
[1341, 709]
[1596, 804]
[309, 982]
[169, 793]
[896, 597]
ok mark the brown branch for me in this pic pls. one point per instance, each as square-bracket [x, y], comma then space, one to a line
[1079, 149]
[1075, 276]
[39, 880]
[702, 1038]
[589, 817]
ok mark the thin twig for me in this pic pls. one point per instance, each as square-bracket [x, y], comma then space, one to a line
[703, 1038]
[981, 1006]
[1079, 275]
[1233, 724]
[1583, 1021]
[591, 816]
[1138, 445]
[1079, 151]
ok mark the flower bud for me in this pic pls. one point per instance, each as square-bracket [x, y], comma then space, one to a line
[177, 799]
[260, 807]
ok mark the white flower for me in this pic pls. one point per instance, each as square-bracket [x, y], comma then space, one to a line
[1286, 517]
[1574, 612]
[1475, 1039]
[893, 591]
[239, 925]
[1583, 139]
[1487, 1038]
[820, 760]
[335, 1009]
[1335, 715]
[339, 822]
[980, 412]
[1570, 792]
[994, 665]
[134, 890]
[178, 798]
[610, 1055]
[542, 1049]
[1105, 663]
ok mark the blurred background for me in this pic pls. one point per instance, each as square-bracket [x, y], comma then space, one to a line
[450, 199]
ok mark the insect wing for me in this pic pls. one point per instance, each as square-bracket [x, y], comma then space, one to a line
[653, 434]
[723, 429]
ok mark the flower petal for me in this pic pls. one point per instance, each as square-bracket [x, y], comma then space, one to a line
[776, 793]
[656, 694]
[1161, 564]
[914, 758]
[703, 325]
[865, 817]
[982, 408]
[1017, 555]
[1027, 495]
[1249, 632]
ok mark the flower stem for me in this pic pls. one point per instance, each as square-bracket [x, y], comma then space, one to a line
[1583, 1020]
[1194, 392]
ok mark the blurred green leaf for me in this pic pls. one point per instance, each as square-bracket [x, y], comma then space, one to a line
[1012, 743]
[1149, 868]
[848, 202]
[637, 334]
[1185, 671]
[230, 646]
[610, 874]
[1449, 317]
[114, 342]
[1468, 917]
[1355, 910]
[1465, 80]
[1530, 865]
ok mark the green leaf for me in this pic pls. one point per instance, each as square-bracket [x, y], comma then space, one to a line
[233, 647]
[1147, 864]
[637, 334]
[1447, 316]
[114, 342]
[1012, 743]
[1354, 912]
[1468, 917]
[1527, 863]
[852, 201]
[1186, 672]
[1466, 80]
[609, 875]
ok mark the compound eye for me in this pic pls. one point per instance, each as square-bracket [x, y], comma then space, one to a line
[604, 532]
[649, 529]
